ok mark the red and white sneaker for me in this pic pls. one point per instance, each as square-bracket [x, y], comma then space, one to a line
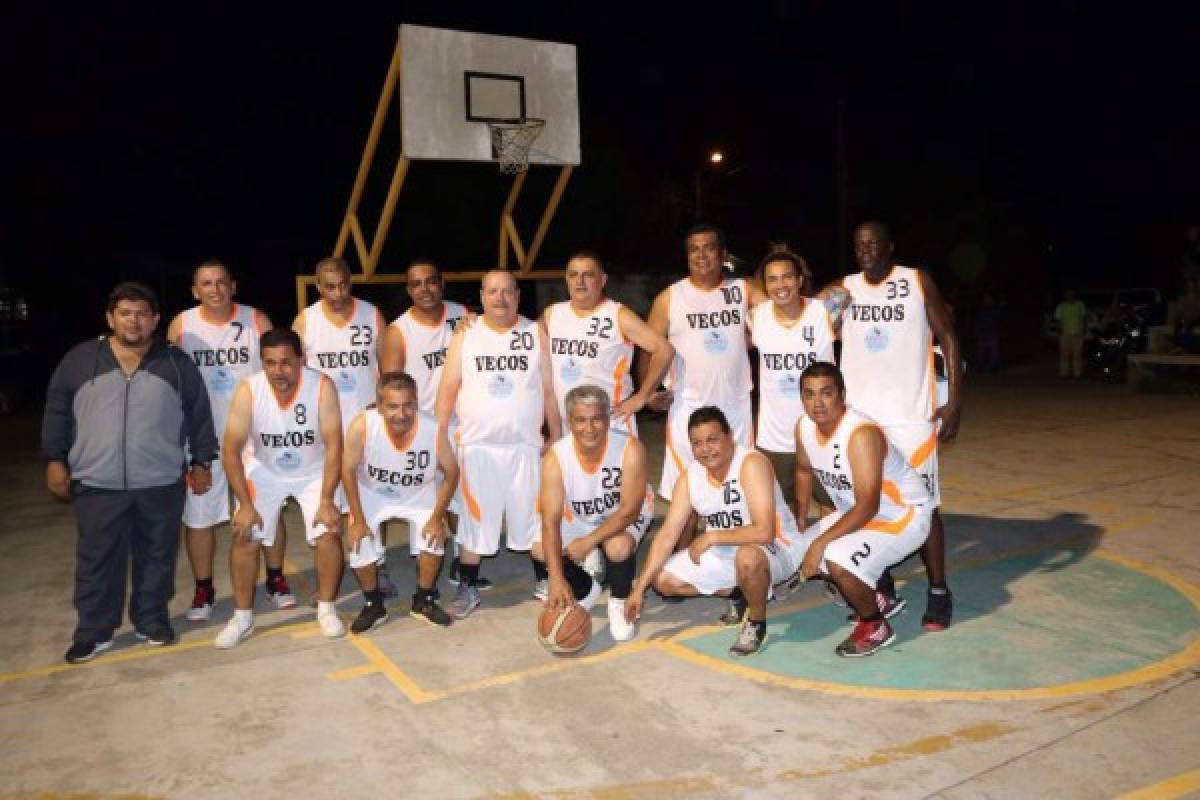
[866, 638]
[280, 593]
[202, 605]
[889, 606]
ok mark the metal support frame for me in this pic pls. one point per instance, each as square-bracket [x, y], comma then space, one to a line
[369, 253]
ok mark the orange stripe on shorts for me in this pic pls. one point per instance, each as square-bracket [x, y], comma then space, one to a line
[468, 496]
[922, 453]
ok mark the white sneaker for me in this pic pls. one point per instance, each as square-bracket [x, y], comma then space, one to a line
[621, 630]
[331, 624]
[594, 564]
[592, 596]
[541, 589]
[236, 630]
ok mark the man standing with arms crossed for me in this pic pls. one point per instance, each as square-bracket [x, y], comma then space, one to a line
[288, 415]
[497, 379]
[888, 331]
[341, 335]
[704, 317]
[594, 494]
[221, 336]
[389, 471]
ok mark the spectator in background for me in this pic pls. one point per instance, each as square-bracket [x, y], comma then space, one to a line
[1071, 316]
[987, 333]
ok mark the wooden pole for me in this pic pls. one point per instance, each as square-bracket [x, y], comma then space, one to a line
[385, 219]
[360, 242]
[559, 187]
[301, 294]
[518, 249]
[506, 214]
[364, 167]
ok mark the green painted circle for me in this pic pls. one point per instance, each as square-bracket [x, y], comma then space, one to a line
[1020, 623]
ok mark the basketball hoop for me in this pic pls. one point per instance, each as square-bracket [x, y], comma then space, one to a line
[511, 142]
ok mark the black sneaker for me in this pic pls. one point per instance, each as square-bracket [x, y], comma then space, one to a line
[481, 583]
[750, 640]
[371, 616]
[157, 636]
[938, 611]
[735, 614]
[429, 611]
[79, 652]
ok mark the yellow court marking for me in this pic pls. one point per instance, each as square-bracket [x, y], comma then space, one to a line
[558, 665]
[1177, 786]
[689, 785]
[1164, 668]
[350, 673]
[296, 629]
[388, 668]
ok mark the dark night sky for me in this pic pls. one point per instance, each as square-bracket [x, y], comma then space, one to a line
[139, 144]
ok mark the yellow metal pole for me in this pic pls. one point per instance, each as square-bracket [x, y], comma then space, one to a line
[301, 294]
[385, 219]
[360, 241]
[364, 167]
[559, 187]
[506, 213]
[518, 250]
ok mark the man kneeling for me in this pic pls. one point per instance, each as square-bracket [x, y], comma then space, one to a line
[390, 472]
[750, 541]
[594, 494]
[882, 506]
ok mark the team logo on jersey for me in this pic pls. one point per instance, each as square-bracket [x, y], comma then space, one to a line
[221, 381]
[500, 386]
[715, 341]
[571, 371]
[789, 385]
[877, 339]
[345, 381]
[288, 461]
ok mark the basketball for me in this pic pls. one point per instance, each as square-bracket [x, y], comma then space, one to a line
[564, 632]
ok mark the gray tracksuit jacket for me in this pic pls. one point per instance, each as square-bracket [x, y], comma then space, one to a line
[118, 432]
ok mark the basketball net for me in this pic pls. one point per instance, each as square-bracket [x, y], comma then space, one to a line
[511, 142]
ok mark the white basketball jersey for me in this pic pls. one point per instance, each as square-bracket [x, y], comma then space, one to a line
[408, 475]
[588, 348]
[285, 437]
[500, 400]
[784, 351]
[887, 348]
[345, 351]
[903, 488]
[723, 506]
[592, 496]
[224, 353]
[425, 350]
[707, 327]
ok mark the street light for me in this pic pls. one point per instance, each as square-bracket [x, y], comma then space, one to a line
[715, 158]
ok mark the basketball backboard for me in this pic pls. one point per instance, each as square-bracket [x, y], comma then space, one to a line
[453, 83]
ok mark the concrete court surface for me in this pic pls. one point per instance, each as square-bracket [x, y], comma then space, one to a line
[1071, 670]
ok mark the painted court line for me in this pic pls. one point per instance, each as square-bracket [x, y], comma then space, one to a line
[295, 629]
[1164, 668]
[1183, 784]
[688, 785]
